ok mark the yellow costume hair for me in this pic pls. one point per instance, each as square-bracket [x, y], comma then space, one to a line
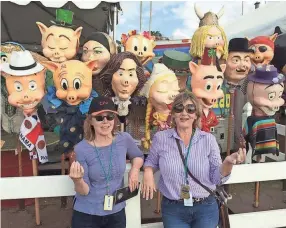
[198, 41]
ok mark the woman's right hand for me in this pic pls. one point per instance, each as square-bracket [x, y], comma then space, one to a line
[76, 171]
[148, 185]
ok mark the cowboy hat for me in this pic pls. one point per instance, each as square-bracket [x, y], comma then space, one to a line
[21, 63]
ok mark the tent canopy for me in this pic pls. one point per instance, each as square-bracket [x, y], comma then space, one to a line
[18, 20]
[260, 22]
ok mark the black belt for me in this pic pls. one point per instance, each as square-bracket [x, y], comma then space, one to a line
[195, 200]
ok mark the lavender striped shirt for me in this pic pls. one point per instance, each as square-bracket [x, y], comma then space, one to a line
[204, 163]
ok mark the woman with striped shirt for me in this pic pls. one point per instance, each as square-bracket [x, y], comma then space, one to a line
[185, 203]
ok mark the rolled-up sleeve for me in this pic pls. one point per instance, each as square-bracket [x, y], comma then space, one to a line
[153, 158]
[215, 163]
[132, 149]
[80, 157]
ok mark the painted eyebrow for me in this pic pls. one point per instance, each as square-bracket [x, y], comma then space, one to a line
[274, 84]
[219, 76]
[65, 37]
[127, 69]
[209, 77]
[62, 73]
[51, 34]
[80, 75]
[97, 47]
[236, 56]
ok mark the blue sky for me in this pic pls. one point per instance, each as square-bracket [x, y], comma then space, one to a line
[177, 19]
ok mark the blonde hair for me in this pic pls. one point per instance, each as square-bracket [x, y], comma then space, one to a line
[198, 41]
[189, 96]
[147, 141]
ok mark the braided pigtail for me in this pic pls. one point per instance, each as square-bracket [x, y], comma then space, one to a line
[147, 140]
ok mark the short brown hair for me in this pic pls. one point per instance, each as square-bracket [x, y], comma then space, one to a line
[186, 96]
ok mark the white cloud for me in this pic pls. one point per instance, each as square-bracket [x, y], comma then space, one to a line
[179, 34]
[190, 21]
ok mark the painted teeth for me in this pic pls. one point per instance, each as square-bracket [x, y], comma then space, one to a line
[28, 105]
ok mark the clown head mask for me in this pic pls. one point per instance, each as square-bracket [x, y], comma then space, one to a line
[206, 83]
[264, 90]
[139, 44]
[238, 62]
[100, 47]
[25, 81]
[60, 42]
[263, 47]
[72, 80]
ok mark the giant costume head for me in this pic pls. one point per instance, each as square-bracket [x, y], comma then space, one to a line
[59, 41]
[207, 82]
[123, 76]
[25, 82]
[100, 47]
[209, 40]
[263, 47]
[160, 90]
[139, 44]
[264, 90]
[238, 62]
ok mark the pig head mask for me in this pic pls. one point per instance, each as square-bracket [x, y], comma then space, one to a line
[139, 44]
[73, 80]
[206, 83]
[263, 47]
[25, 81]
[264, 90]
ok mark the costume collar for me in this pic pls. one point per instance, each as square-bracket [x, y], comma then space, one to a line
[56, 102]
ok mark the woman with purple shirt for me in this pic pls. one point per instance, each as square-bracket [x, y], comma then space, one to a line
[185, 203]
[99, 169]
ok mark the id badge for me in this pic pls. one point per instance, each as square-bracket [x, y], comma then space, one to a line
[108, 202]
[185, 192]
[189, 202]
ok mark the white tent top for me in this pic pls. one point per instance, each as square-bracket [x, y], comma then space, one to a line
[260, 22]
[59, 3]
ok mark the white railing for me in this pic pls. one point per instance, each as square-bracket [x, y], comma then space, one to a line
[57, 186]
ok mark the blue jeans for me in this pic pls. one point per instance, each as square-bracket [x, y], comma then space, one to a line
[83, 220]
[204, 214]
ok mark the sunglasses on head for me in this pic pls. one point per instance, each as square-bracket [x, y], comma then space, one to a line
[190, 108]
[109, 117]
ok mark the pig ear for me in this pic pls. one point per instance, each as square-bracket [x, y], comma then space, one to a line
[223, 67]
[52, 66]
[193, 67]
[91, 64]
[78, 31]
[247, 38]
[42, 27]
[273, 37]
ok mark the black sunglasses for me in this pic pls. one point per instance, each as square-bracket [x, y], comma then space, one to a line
[109, 117]
[190, 108]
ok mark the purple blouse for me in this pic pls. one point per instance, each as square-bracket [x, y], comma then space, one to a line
[204, 163]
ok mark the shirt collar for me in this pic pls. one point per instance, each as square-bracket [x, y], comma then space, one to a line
[198, 134]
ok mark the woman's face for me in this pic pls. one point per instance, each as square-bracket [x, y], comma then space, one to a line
[93, 50]
[103, 123]
[185, 114]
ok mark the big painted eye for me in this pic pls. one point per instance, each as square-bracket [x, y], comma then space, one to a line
[145, 48]
[18, 86]
[208, 86]
[64, 84]
[4, 59]
[77, 83]
[271, 96]
[32, 85]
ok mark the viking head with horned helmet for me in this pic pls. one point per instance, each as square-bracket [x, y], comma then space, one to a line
[209, 40]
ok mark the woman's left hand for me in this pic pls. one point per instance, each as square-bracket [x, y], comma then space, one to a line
[237, 157]
[133, 177]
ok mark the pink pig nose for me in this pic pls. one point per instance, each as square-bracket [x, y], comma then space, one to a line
[213, 101]
[71, 98]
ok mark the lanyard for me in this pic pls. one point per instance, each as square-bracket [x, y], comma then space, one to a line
[186, 158]
[107, 175]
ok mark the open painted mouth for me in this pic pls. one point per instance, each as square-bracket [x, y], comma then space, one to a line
[206, 102]
[28, 105]
[240, 71]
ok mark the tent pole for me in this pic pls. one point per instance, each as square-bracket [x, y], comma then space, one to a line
[114, 21]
